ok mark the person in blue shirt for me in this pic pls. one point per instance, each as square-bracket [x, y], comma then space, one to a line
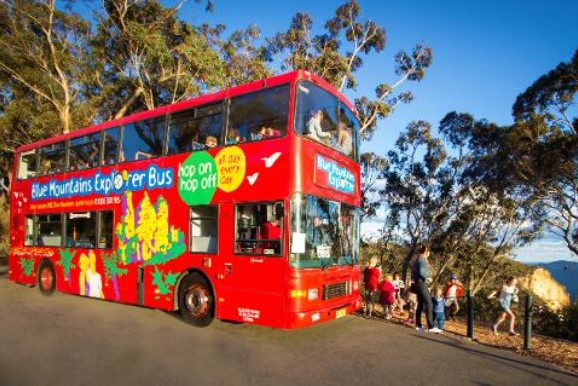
[439, 305]
[420, 274]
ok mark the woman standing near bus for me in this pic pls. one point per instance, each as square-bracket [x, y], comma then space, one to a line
[420, 273]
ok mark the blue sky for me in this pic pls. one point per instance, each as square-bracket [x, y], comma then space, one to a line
[485, 54]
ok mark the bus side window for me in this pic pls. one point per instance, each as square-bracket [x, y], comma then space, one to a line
[27, 165]
[29, 231]
[194, 129]
[260, 115]
[110, 146]
[143, 139]
[204, 228]
[84, 152]
[105, 229]
[49, 230]
[81, 230]
[259, 229]
[52, 159]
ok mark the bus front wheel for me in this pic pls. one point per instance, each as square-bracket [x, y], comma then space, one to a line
[196, 300]
[46, 278]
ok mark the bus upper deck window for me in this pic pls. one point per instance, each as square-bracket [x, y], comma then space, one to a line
[110, 146]
[84, 152]
[52, 159]
[259, 115]
[28, 164]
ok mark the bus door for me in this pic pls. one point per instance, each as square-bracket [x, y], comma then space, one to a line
[252, 285]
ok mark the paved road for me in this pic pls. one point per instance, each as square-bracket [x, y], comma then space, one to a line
[69, 340]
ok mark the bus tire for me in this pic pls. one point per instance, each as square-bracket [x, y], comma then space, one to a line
[196, 300]
[46, 278]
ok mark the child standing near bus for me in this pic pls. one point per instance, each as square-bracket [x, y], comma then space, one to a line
[399, 286]
[439, 305]
[387, 296]
[371, 275]
[410, 299]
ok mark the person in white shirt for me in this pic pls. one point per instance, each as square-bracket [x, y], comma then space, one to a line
[508, 293]
[314, 129]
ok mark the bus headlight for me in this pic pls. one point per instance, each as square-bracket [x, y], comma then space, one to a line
[313, 294]
[310, 294]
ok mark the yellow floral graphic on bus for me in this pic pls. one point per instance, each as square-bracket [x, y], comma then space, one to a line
[145, 235]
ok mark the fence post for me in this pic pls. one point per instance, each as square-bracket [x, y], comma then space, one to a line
[470, 310]
[528, 323]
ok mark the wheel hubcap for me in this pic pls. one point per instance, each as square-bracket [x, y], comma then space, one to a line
[197, 301]
[46, 278]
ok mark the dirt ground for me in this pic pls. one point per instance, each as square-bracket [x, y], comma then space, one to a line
[560, 352]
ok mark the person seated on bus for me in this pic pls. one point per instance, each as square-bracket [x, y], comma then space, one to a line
[233, 137]
[344, 139]
[271, 233]
[314, 129]
[45, 167]
[317, 234]
[211, 142]
[271, 132]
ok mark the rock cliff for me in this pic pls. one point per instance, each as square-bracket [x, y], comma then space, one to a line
[546, 287]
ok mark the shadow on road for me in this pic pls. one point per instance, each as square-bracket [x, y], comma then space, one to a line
[519, 364]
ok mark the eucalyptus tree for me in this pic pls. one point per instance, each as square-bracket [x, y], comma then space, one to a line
[149, 57]
[412, 193]
[546, 151]
[448, 192]
[337, 55]
[44, 57]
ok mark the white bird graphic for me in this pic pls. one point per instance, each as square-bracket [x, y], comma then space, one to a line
[252, 178]
[269, 161]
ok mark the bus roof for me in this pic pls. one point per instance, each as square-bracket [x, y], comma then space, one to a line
[194, 101]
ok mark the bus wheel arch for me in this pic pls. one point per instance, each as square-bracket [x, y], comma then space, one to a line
[195, 298]
[46, 277]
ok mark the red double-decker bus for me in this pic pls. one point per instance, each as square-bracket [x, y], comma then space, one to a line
[240, 205]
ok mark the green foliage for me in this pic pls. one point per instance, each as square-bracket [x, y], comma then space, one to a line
[111, 262]
[164, 282]
[27, 265]
[458, 202]
[66, 256]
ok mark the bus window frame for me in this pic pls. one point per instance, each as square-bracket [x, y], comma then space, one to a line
[195, 109]
[355, 136]
[190, 243]
[36, 160]
[237, 251]
[286, 129]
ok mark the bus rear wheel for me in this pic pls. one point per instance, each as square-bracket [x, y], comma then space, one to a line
[196, 300]
[46, 278]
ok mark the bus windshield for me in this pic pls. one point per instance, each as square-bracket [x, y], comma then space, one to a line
[323, 232]
[323, 118]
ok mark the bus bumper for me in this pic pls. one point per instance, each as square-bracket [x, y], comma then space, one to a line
[298, 319]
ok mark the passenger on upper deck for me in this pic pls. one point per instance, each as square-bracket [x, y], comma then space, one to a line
[314, 129]
[344, 139]
[233, 137]
[211, 142]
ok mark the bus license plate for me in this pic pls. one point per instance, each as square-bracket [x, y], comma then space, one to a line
[340, 313]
